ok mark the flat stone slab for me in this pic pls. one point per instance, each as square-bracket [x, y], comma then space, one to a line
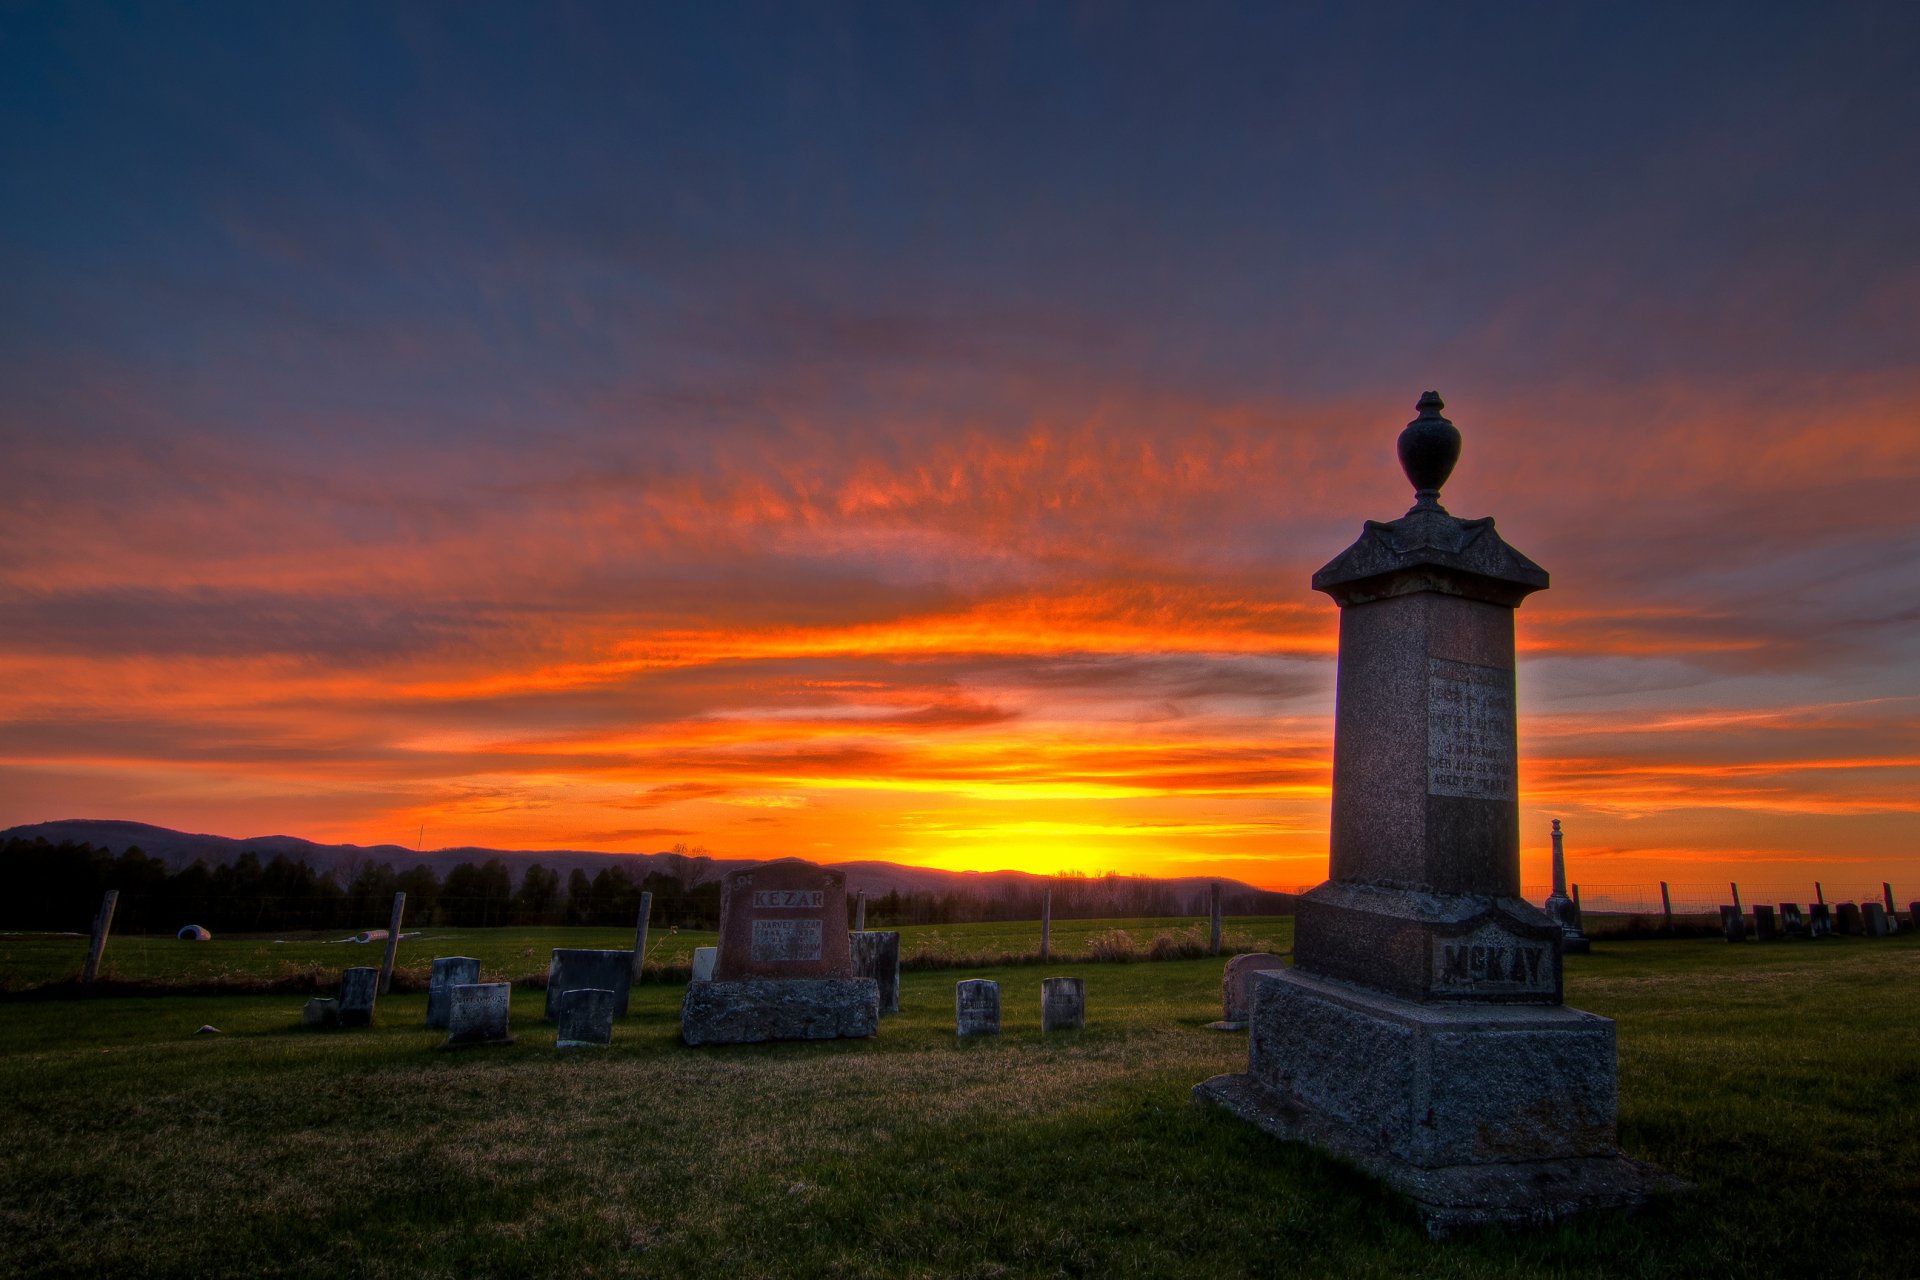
[757, 1010]
[976, 1007]
[320, 1012]
[586, 1019]
[703, 959]
[574, 969]
[876, 955]
[359, 987]
[1063, 1004]
[1236, 985]
[477, 1014]
[448, 972]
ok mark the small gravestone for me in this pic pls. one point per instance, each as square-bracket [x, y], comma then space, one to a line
[1763, 930]
[785, 968]
[1791, 922]
[574, 969]
[876, 955]
[1876, 919]
[586, 1019]
[976, 1007]
[1733, 924]
[320, 1012]
[1063, 1004]
[1819, 921]
[703, 958]
[1236, 989]
[448, 972]
[477, 1014]
[1847, 920]
[358, 987]
[1913, 915]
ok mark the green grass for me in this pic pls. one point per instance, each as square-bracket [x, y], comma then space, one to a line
[1783, 1080]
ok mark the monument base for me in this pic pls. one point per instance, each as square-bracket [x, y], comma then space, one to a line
[756, 1010]
[1480, 1114]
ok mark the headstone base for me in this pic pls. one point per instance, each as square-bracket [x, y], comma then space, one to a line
[1479, 1114]
[756, 1010]
[1226, 1026]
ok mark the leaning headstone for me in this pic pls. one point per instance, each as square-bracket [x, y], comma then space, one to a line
[320, 1012]
[477, 1014]
[1236, 989]
[358, 988]
[876, 955]
[1876, 919]
[1063, 1004]
[1913, 915]
[1791, 922]
[1847, 920]
[586, 1019]
[447, 972]
[976, 1007]
[1733, 924]
[1420, 1033]
[1819, 921]
[785, 968]
[703, 958]
[1763, 930]
[574, 969]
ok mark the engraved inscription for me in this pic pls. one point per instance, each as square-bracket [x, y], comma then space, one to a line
[778, 940]
[1490, 961]
[788, 898]
[1470, 732]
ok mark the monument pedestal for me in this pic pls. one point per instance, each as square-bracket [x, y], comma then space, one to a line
[756, 1010]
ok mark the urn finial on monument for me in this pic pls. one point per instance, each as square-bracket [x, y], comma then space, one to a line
[1429, 448]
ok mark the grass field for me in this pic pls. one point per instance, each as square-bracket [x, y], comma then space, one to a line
[1783, 1080]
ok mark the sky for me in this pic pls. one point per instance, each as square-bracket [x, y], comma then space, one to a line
[907, 431]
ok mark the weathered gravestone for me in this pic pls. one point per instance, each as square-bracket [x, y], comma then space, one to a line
[1913, 915]
[1063, 1004]
[1420, 1033]
[785, 968]
[447, 972]
[976, 1007]
[577, 969]
[1763, 930]
[477, 1014]
[586, 1019]
[359, 987]
[703, 958]
[1819, 921]
[1847, 919]
[876, 955]
[1876, 919]
[1733, 924]
[319, 1012]
[1791, 922]
[1236, 989]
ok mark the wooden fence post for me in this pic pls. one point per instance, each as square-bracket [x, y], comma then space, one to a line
[98, 945]
[640, 934]
[860, 911]
[1213, 940]
[1666, 905]
[1046, 921]
[393, 942]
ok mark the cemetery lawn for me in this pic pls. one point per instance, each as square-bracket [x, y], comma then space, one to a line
[1784, 1080]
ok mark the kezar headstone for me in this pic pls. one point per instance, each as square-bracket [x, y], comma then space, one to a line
[703, 958]
[447, 972]
[1763, 930]
[1420, 1033]
[358, 988]
[1063, 1004]
[1848, 919]
[320, 1012]
[876, 955]
[477, 1014]
[1236, 988]
[785, 968]
[1733, 924]
[1819, 921]
[586, 1019]
[1876, 919]
[574, 969]
[1791, 922]
[976, 1007]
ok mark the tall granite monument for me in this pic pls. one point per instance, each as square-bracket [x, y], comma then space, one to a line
[1420, 1033]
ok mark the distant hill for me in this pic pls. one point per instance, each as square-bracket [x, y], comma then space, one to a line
[180, 849]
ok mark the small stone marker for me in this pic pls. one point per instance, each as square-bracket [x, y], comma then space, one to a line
[320, 1012]
[573, 969]
[876, 955]
[1913, 915]
[1791, 922]
[358, 988]
[477, 1014]
[1848, 919]
[586, 1019]
[1236, 989]
[1876, 922]
[1733, 924]
[448, 972]
[1819, 921]
[1763, 930]
[976, 1007]
[703, 958]
[1063, 1004]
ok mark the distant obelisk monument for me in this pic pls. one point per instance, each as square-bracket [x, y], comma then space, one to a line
[1420, 1032]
